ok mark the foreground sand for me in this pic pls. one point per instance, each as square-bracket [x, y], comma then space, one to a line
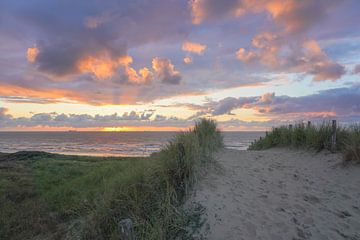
[281, 194]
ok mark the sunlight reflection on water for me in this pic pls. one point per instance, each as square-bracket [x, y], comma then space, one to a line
[105, 143]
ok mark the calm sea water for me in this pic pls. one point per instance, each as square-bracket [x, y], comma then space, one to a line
[105, 143]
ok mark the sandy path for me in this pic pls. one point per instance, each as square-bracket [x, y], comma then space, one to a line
[281, 194]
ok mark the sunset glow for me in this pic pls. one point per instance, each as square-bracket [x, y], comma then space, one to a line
[124, 67]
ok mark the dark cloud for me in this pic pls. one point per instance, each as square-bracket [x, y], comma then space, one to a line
[65, 31]
[293, 15]
[132, 118]
[225, 105]
[74, 120]
[341, 102]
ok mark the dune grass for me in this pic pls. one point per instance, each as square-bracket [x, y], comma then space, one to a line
[316, 137]
[352, 144]
[50, 196]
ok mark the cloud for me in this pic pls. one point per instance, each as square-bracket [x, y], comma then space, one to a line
[297, 15]
[194, 47]
[90, 29]
[145, 76]
[246, 56]
[78, 58]
[356, 69]
[3, 115]
[74, 120]
[32, 54]
[226, 105]
[293, 15]
[58, 59]
[166, 71]
[187, 60]
[102, 66]
[299, 56]
[340, 102]
[207, 9]
[61, 120]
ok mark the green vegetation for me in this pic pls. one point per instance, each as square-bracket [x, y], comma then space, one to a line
[50, 196]
[352, 144]
[317, 137]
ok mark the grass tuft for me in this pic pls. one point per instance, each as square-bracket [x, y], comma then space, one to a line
[352, 144]
[316, 137]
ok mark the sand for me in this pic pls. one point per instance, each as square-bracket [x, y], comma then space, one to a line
[280, 194]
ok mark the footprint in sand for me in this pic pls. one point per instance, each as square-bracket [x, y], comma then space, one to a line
[343, 214]
[296, 177]
[311, 199]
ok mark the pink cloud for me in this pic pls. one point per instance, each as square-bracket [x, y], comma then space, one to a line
[187, 60]
[299, 56]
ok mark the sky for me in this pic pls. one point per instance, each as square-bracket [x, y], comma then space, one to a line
[159, 65]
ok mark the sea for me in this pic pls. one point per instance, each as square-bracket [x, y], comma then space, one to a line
[105, 143]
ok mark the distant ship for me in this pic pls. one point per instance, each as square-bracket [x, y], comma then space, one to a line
[72, 130]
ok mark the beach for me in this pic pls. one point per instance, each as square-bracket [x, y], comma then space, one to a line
[280, 194]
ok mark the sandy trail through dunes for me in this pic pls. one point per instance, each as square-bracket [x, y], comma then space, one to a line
[281, 194]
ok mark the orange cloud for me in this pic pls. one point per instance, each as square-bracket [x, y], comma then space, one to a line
[143, 76]
[52, 94]
[102, 66]
[193, 47]
[32, 54]
[295, 15]
[146, 75]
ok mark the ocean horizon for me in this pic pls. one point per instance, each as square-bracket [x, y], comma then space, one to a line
[94, 143]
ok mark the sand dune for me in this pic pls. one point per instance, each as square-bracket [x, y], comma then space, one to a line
[281, 194]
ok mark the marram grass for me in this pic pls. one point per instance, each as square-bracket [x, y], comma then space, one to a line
[316, 137]
[50, 196]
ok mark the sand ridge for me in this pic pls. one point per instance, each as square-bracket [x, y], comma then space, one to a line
[280, 194]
